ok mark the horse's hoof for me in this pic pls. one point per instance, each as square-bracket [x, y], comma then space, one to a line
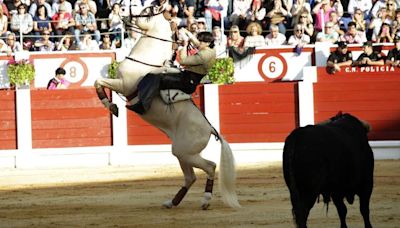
[114, 109]
[168, 204]
[205, 205]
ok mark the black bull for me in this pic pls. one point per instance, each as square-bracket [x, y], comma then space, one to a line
[333, 159]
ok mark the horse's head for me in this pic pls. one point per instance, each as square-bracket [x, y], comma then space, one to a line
[149, 17]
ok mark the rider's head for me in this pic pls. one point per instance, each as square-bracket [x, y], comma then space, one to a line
[206, 37]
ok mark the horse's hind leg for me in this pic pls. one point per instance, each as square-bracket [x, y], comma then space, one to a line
[209, 168]
[112, 84]
[190, 178]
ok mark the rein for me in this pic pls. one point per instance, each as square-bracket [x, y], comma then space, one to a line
[138, 61]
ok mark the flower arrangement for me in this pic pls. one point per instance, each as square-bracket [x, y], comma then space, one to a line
[222, 71]
[20, 72]
[112, 69]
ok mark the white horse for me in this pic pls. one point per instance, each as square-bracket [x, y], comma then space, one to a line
[185, 124]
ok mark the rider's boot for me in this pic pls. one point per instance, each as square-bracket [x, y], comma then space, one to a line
[148, 88]
[138, 108]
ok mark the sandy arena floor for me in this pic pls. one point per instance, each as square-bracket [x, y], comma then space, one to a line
[132, 197]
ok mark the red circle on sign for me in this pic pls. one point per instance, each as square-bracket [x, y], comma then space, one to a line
[263, 75]
[84, 66]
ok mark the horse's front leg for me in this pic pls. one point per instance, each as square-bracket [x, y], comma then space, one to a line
[112, 84]
[190, 178]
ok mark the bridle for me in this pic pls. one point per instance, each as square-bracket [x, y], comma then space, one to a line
[135, 28]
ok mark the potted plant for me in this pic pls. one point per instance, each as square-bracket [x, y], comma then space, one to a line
[20, 73]
[112, 69]
[222, 71]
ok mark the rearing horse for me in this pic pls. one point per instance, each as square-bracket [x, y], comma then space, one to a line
[185, 124]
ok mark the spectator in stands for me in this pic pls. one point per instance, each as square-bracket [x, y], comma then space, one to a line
[358, 18]
[41, 21]
[329, 34]
[90, 6]
[58, 82]
[274, 38]
[63, 21]
[44, 44]
[257, 12]
[385, 35]
[396, 25]
[22, 22]
[376, 23]
[220, 42]
[35, 5]
[299, 39]
[376, 7]
[85, 22]
[322, 11]
[13, 44]
[339, 58]
[364, 6]
[115, 23]
[3, 23]
[87, 43]
[215, 10]
[241, 9]
[181, 10]
[55, 7]
[3, 46]
[304, 19]
[66, 43]
[106, 43]
[103, 11]
[254, 37]
[353, 36]
[391, 7]
[338, 24]
[202, 25]
[131, 40]
[235, 39]
[393, 57]
[12, 6]
[277, 16]
[369, 57]
[300, 8]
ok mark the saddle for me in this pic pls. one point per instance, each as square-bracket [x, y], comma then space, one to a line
[170, 96]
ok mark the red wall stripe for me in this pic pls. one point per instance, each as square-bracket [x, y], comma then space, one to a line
[69, 118]
[8, 127]
[258, 112]
[373, 97]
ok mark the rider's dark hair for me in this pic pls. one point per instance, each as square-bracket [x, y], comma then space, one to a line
[206, 37]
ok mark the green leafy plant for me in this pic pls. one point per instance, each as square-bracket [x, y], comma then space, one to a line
[20, 73]
[112, 69]
[222, 71]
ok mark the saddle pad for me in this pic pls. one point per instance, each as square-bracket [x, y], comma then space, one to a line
[170, 96]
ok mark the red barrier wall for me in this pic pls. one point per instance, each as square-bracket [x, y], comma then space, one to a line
[69, 118]
[142, 133]
[371, 96]
[8, 128]
[258, 112]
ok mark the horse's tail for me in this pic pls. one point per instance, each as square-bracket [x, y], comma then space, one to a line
[227, 174]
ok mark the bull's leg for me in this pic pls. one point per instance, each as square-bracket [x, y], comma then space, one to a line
[300, 212]
[190, 178]
[364, 209]
[112, 84]
[341, 209]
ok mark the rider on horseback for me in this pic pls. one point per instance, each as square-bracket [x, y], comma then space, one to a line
[195, 68]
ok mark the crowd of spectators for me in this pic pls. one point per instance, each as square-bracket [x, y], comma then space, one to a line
[48, 25]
